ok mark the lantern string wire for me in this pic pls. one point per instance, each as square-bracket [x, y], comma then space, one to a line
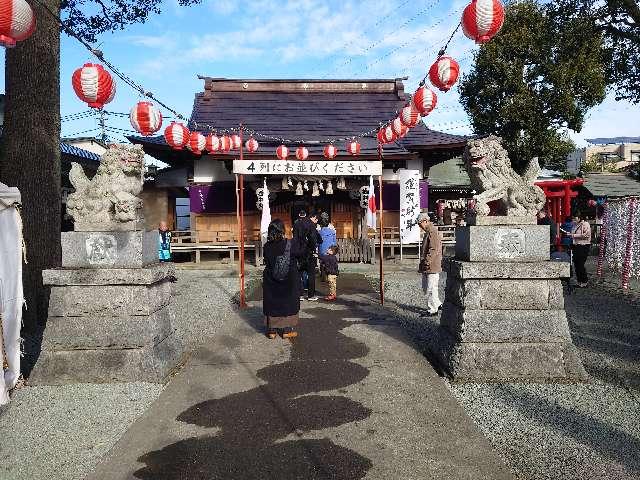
[139, 88]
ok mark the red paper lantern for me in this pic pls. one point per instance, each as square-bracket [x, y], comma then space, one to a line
[197, 143]
[17, 22]
[93, 85]
[444, 73]
[424, 100]
[251, 145]
[225, 143]
[302, 153]
[410, 116]
[176, 135]
[282, 152]
[145, 118]
[399, 128]
[212, 143]
[330, 151]
[380, 135]
[388, 135]
[353, 147]
[482, 20]
[235, 142]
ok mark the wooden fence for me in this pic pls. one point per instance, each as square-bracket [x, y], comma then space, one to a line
[356, 250]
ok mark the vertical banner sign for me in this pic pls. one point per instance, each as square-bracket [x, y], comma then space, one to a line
[409, 205]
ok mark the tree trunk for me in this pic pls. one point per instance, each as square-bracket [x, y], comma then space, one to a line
[31, 161]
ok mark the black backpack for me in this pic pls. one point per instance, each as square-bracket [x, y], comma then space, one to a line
[282, 264]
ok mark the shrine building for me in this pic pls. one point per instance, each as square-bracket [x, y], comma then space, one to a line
[312, 113]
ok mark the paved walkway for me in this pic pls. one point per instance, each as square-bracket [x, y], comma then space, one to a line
[350, 398]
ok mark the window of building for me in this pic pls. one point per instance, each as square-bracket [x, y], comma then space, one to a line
[183, 214]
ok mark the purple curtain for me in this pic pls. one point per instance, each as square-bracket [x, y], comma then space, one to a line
[424, 193]
[220, 197]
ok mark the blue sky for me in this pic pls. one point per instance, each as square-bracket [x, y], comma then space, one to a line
[292, 39]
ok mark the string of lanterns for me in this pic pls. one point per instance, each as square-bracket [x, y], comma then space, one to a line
[17, 22]
[481, 20]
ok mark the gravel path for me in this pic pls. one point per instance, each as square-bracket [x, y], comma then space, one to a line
[51, 433]
[559, 432]
[207, 297]
[62, 432]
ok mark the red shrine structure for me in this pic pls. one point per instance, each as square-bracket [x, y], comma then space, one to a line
[559, 194]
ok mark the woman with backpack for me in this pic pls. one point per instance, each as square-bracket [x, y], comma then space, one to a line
[281, 282]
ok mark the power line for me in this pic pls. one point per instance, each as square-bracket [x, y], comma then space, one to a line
[411, 40]
[378, 42]
[69, 135]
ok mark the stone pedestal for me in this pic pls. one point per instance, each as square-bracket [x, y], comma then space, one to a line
[109, 324]
[504, 317]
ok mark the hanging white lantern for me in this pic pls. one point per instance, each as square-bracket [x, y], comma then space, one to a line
[329, 188]
[299, 191]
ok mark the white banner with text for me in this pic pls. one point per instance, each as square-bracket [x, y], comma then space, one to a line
[313, 168]
[409, 205]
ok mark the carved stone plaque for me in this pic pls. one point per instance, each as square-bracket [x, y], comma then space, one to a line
[510, 243]
[101, 249]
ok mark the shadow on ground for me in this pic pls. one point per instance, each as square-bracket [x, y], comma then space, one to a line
[261, 430]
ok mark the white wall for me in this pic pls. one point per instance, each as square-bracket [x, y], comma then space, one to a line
[388, 174]
[575, 159]
[207, 170]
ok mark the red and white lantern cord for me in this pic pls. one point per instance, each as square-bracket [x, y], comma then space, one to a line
[235, 142]
[482, 20]
[225, 143]
[251, 145]
[444, 73]
[93, 85]
[176, 135]
[197, 143]
[302, 153]
[330, 151]
[424, 100]
[212, 143]
[145, 118]
[353, 148]
[282, 152]
[410, 116]
[17, 22]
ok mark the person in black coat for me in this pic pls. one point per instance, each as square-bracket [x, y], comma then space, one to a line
[307, 238]
[280, 298]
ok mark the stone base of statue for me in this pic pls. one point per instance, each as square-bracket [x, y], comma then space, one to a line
[111, 316]
[503, 317]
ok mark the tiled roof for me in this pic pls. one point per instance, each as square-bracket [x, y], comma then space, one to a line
[309, 110]
[612, 185]
[78, 152]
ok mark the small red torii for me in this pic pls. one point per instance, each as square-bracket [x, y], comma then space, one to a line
[559, 194]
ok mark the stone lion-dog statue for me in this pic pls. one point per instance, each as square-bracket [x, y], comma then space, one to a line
[493, 179]
[110, 199]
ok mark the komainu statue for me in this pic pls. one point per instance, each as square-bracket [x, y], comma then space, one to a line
[109, 201]
[493, 178]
